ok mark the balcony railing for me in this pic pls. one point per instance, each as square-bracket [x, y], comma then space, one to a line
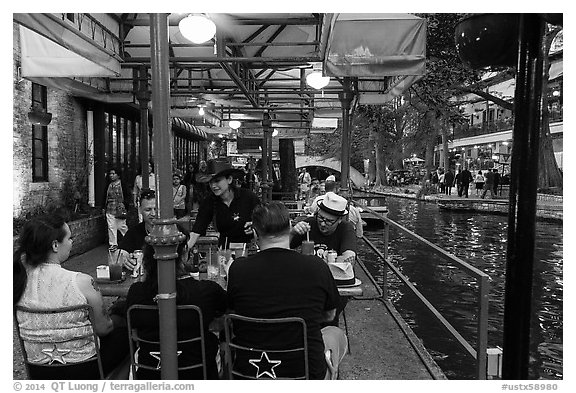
[466, 130]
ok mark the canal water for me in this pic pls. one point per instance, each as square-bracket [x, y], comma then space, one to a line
[480, 240]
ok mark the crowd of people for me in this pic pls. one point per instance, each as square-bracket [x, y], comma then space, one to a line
[485, 181]
[277, 281]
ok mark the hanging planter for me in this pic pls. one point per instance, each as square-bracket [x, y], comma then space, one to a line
[488, 41]
[39, 117]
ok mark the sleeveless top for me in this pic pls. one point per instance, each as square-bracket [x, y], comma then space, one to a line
[51, 286]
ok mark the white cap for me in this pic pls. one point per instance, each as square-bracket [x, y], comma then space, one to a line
[331, 178]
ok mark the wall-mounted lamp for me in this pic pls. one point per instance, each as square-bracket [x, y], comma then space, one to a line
[315, 78]
[234, 124]
[198, 28]
[274, 133]
[201, 111]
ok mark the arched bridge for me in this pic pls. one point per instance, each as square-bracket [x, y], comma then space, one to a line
[356, 177]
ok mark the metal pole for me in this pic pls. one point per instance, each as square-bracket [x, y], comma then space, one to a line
[523, 186]
[345, 99]
[266, 145]
[143, 96]
[482, 327]
[164, 236]
[385, 265]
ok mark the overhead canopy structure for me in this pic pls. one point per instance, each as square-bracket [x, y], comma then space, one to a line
[257, 63]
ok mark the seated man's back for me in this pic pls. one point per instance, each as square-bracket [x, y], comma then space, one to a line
[278, 282]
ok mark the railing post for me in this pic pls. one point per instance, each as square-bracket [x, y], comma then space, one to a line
[385, 266]
[482, 326]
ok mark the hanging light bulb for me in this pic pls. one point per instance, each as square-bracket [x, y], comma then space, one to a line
[234, 124]
[201, 111]
[315, 78]
[198, 28]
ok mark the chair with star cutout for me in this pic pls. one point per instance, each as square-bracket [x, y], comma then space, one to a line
[262, 348]
[55, 348]
[145, 343]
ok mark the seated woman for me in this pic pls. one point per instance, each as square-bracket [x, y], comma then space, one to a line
[41, 283]
[207, 295]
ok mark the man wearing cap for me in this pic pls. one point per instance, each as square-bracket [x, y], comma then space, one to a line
[354, 215]
[228, 205]
[329, 230]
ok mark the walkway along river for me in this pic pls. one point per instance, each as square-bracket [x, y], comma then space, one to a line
[479, 239]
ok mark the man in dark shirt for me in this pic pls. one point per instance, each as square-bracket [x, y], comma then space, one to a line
[278, 282]
[328, 229]
[496, 181]
[135, 237]
[488, 184]
[464, 180]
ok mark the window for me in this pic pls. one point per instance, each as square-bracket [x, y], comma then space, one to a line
[39, 136]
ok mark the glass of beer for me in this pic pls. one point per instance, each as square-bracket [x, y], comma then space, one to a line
[307, 247]
[115, 265]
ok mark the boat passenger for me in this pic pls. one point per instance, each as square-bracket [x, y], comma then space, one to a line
[229, 206]
[40, 282]
[278, 282]
[207, 295]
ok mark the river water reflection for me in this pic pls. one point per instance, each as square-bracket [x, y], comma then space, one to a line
[479, 239]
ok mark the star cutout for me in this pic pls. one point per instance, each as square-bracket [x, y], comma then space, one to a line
[156, 355]
[56, 354]
[266, 364]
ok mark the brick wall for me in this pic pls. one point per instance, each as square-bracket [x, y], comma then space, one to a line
[88, 233]
[66, 141]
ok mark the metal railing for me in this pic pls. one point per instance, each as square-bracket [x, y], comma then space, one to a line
[479, 352]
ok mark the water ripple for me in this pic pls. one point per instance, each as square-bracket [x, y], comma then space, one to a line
[481, 241]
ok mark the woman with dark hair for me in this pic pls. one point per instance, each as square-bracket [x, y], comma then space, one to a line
[201, 184]
[229, 206]
[207, 295]
[190, 182]
[115, 208]
[40, 282]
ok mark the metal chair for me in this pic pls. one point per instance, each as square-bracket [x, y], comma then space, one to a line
[266, 362]
[136, 339]
[87, 369]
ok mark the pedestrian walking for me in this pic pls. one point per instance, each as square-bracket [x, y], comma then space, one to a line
[449, 181]
[465, 180]
[488, 184]
[479, 182]
[115, 202]
[496, 181]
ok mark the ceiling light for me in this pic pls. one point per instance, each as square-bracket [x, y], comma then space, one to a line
[198, 28]
[315, 78]
[234, 124]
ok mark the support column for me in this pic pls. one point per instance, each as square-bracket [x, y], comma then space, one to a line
[346, 100]
[165, 236]
[266, 158]
[522, 203]
[143, 96]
